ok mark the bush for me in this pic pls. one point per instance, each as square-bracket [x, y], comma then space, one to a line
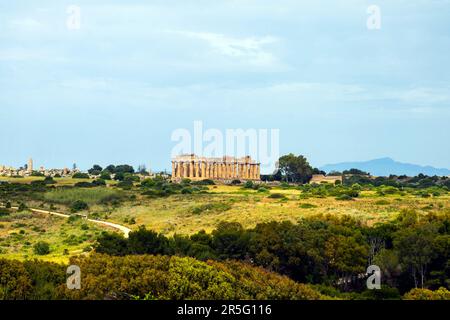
[79, 205]
[22, 207]
[425, 294]
[205, 182]
[186, 190]
[277, 196]
[99, 182]
[236, 182]
[344, 197]
[41, 248]
[83, 184]
[80, 175]
[248, 185]
[125, 184]
[307, 206]
[105, 176]
[49, 180]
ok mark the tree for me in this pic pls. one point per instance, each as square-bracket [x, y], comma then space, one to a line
[49, 180]
[105, 175]
[295, 168]
[41, 248]
[95, 170]
[142, 169]
[79, 205]
[318, 171]
[80, 175]
[416, 248]
[355, 172]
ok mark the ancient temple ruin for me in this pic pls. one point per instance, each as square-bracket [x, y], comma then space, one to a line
[225, 168]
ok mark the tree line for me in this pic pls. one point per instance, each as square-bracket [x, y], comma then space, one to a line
[413, 251]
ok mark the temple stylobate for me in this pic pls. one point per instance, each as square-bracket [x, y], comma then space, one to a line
[224, 168]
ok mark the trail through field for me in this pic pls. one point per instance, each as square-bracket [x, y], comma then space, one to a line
[119, 227]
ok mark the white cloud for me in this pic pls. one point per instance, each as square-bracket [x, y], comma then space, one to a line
[250, 50]
[426, 95]
[25, 24]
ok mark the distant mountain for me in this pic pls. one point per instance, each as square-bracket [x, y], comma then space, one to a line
[385, 167]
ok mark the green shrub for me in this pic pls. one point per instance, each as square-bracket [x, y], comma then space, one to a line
[80, 175]
[307, 206]
[41, 248]
[248, 185]
[22, 207]
[382, 202]
[344, 197]
[79, 205]
[277, 196]
[426, 294]
[186, 190]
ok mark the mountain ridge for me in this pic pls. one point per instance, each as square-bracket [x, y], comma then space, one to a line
[386, 166]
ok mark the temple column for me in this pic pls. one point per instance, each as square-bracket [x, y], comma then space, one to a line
[203, 169]
[235, 170]
[191, 169]
[258, 171]
[173, 169]
[196, 169]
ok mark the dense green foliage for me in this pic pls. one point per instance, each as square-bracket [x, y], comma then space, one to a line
[412, 251]
[147, 277]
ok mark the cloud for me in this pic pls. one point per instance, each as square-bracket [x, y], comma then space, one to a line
[25, 24]
[426, 95]
[251, 49]
[18, 54]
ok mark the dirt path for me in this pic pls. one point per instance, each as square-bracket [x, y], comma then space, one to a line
[119, 227]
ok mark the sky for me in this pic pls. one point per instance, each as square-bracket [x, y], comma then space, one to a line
[115, 84]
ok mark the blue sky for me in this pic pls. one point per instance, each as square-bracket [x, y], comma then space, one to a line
[114, 90]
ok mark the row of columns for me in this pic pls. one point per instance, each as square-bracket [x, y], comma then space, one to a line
[215, 170]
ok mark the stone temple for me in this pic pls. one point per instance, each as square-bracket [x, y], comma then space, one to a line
[225, 168]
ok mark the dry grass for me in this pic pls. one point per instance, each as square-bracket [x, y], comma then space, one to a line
[175, 213]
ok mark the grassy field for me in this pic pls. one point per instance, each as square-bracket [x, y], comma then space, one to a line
[67, 181]
[90, 196]
[186, 214]
[19, 231]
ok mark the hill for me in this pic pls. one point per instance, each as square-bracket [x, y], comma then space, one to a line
[387, 166]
